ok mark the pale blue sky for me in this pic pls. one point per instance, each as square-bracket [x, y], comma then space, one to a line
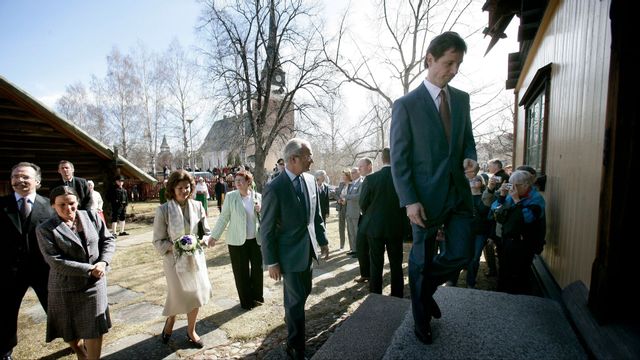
[47, 45]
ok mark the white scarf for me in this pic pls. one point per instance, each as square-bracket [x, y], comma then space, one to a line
[176, 226]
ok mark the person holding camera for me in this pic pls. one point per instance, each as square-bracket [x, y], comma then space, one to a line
[520, 210]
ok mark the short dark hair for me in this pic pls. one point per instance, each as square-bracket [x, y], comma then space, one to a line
[62, 162]
[61, 190]
[443, 42]
[528, 168]
[386, 155]
[176, 177]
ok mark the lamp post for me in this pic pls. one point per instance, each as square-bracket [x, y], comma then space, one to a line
[190, 154]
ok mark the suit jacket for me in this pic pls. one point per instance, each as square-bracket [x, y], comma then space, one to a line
[382, 215]
[69, 260]
[20, 246]
[423, 163]
[289, 236]
[353, 199]
[324, 200]
[82, 188]
[234, 214]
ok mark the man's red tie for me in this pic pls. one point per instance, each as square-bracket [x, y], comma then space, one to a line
[445, 115]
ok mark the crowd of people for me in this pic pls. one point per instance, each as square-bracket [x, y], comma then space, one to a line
[429, 191]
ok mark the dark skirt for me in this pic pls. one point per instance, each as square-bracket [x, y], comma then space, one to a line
[80, 314]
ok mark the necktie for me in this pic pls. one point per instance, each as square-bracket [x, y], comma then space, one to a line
[445, 115]
[298, 187]
[25, 208]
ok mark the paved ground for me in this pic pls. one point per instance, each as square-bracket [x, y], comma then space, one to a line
[334, 298]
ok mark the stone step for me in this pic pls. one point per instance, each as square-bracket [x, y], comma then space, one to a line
[475, 324]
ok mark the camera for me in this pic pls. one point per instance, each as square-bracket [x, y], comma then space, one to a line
[509, 186]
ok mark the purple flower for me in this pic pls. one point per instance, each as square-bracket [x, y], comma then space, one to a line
[186, 240]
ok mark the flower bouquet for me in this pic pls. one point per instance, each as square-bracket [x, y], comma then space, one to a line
[191, 266]
[187, 245]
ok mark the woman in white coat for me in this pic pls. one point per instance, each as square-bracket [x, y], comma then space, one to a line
[241, 211]
[188, 286]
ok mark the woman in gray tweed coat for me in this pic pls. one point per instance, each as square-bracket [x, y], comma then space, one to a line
[78, 248]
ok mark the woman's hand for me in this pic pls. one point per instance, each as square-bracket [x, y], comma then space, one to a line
[504, 189]
[210, 241]
[98, 270]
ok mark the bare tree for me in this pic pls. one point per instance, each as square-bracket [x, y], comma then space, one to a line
[183, 86]
[152, 73]
[120, 98]
[403, 30]
[79, 106]
[254, 43]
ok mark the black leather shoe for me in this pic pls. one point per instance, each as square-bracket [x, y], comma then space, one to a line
[295, 354]
[164, 336]
[424, 335]
[197, 343]
[434, 309]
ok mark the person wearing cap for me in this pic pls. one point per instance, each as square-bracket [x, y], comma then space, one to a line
[118, 199]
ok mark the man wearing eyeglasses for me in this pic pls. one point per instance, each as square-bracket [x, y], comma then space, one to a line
[21, 263]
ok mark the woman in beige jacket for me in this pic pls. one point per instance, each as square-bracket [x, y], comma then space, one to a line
[241, 210]
[188, 285]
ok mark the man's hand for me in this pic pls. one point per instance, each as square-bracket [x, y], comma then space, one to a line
[274, 272]
[324, 251]
[416, 214]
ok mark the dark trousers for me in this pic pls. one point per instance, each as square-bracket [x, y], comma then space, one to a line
[246, 262]
[427, 270]
[515, 266]
[394, 253]
[362, 251]
[15, 288]
[297, 287]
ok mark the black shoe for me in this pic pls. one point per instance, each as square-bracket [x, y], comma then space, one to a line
[424, 335]
[123, 233]
[164, 336]
[199, 344]
[351, 252]
[434, 309]
[295, 354]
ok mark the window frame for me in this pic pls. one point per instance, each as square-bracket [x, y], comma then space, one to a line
[540, 87]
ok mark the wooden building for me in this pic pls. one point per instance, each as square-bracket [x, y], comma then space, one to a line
[576, 122]
[31, 132]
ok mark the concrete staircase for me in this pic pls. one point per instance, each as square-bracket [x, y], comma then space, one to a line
[476, 324]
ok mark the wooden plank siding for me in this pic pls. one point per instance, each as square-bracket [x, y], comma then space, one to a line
[31, 132]
[576, 40]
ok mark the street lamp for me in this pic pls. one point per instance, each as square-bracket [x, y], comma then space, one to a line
[190, 154]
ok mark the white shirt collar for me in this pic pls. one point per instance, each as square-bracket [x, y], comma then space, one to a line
[434, 91]
[31, 197]
[290, 174]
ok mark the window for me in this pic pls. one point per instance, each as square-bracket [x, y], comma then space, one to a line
[535, 102]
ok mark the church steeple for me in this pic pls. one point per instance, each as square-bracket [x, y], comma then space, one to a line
[278, 79]
[164, 147]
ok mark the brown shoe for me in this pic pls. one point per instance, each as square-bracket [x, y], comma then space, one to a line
[361, 279]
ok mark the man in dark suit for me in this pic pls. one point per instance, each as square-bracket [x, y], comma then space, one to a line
[430, 137]
[383, 224]
[293, 234]
[21, 263]
[66, 170]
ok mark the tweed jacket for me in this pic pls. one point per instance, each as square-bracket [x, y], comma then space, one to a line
[69, 260]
